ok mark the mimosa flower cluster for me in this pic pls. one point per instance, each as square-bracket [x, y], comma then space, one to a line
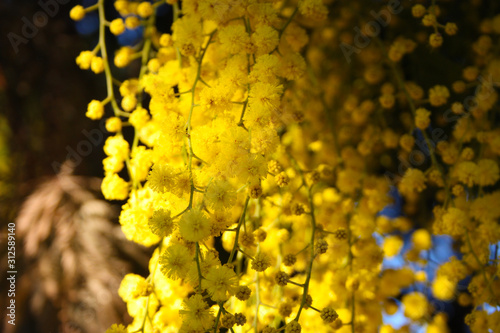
[257, 162]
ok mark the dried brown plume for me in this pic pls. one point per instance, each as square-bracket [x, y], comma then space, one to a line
[74, 256]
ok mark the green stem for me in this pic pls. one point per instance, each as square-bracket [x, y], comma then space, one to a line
[104, 54]
[188, 125]
[290, 19]
[257, 301]
[242, 219]
[217, 319]
[312, 256]
[198, 266]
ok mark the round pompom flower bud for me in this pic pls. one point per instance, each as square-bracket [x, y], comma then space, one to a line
[340, 233]
[313, 177]
[416, 305]
[255, 191]
[429, 20]
[422, 120]
[139, 117]
[194, 226]
[392, 246]
[114, 188]
[443, 288]
[154, 65]
[145, 9]
[328, 315]
[166, 40]
[95, 110]
[337, 324]
[387, 101]
[161, 223]
[261, 262]
[281, 278]
[421, 239]
[260, 234]
[113, 124]
[436, 40]
[282, 179]
[298, 209]
[321, 246]
[487, 173]
[123, 57]
[97, 65]
[84, 59]
[274, 167]
[129, 103]
[132, 22]
[458, 87]
[117, 26]
[243, 293]
[247, 239]
[289, 260]
[450, 28]
[77, 13]
[406, 142]
[421, 276]
[418, 10]
[240, 319]
[438, 95]
[293, 327]
[285, 309]
[228, 320]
